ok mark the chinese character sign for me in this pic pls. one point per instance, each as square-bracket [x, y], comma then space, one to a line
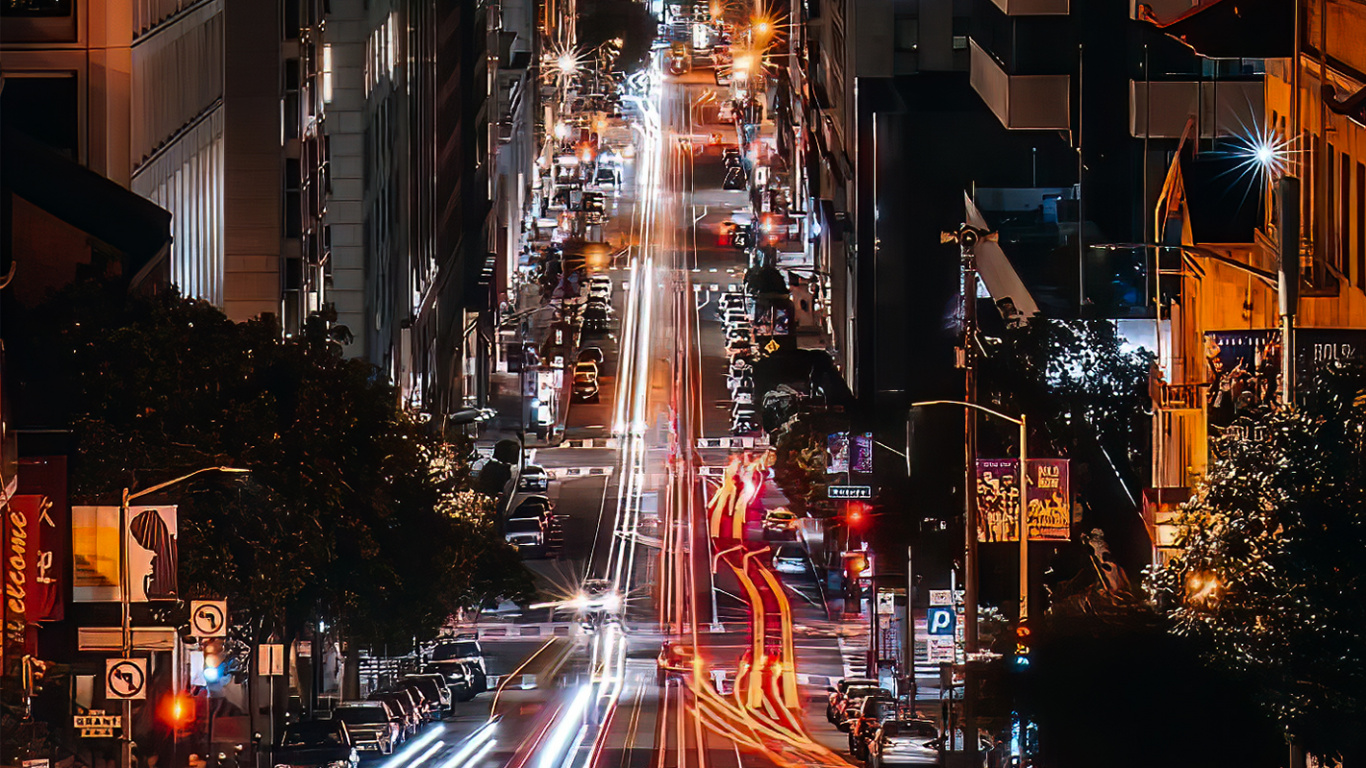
[1048, 501]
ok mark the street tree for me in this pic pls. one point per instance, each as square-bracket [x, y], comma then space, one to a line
[349, 513]
[1270, 575]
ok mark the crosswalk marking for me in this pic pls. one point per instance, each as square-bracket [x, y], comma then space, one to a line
[591, 442]
[733, 442]
[571, 473]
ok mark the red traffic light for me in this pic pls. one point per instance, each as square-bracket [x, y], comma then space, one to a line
[856, 513]
[176, 710]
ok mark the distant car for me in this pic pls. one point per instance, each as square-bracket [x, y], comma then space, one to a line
[586, 367]
[435, 689]
[585, 388]
[790, 559]
[316, 744]
[673, 661]
[870, 716]
[606, 176]
[740, 382]
[838, 692]
[735, 179]
[732, 299]
[591, 355]
[738, 346]
[372, 725]
[734, 316]
[739, 331]
[743, 395]
[466, 651]
[851, 702]
[732, 158]
[780, 523]
[538, 507]
[744, 422]
[596, 318]
[459, 677]
[904, 742]
[533, 478]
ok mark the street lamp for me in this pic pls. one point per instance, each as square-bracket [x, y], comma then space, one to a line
[971, 602]
[125, 589]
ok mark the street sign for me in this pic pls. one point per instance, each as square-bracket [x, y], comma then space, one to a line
[849, 491]
[270, 659]
[940, 621]
[941, 650]
[771, 346]
[209, 618]
[945, 597]
[125, 678]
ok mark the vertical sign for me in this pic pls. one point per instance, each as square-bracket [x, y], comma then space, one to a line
[837, 448]
[1048, 500]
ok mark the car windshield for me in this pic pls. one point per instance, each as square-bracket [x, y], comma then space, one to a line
[458, 650]
[312, 732]
[358, 715]
[795, 553]
[523, 525]
[861, 691]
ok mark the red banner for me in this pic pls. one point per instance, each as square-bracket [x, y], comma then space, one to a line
[44, 478]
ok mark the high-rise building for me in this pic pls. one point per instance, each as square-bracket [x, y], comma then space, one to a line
[132, 89]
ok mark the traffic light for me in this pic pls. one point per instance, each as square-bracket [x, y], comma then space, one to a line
[176, 710]
[1023, 637]
[856, 514]
[215, 661]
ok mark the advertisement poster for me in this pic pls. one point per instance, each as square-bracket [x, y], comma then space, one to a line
[837, 449]
[1048, 503]
[152, 556]
[1243, 371]
[861, 453]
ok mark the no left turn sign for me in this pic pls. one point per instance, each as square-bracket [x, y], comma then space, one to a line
[125, 678]
[209, 618]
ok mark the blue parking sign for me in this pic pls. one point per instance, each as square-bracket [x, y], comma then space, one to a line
[940, 620]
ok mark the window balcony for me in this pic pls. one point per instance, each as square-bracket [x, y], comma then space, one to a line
[1023, 102]
[1034, 7]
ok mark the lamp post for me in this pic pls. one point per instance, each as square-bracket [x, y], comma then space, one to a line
[125, 589]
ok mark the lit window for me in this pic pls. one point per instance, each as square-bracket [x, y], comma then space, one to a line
[327, 74]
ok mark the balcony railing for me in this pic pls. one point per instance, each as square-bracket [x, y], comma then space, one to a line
[1041, 102]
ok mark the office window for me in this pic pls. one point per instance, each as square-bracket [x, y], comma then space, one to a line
[327, 74]
[1361, 224]
[1345, 215]
[907, 33]
[293, 218]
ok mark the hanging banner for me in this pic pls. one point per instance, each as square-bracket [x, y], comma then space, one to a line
[152, 557]
[1048, 502]
[861, 453]
[44, 478]
[837, 452]
[1243, 373]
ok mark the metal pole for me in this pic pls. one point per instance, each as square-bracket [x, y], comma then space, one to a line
[909, 672]
[970, 450]
[1024, 522]
[126, 620]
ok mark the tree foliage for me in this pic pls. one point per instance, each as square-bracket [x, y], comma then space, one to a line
[1271, 575]
[353, 509]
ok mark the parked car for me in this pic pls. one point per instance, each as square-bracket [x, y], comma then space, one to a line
[458, 675]
[904, 742]
[372, 725]
[533, 478]
[840, 690]
[402, 703]
[739, 346]
[585, 388]
[743, 381]
[537, 506]
[733, 316]
[586, 367]
[428, 706]
[597, 318]
[743, 395]
[466, 650]
[731, 299]
[741, 332]
[591, 355]
[735, 179]
[790, 558]
[780, 523]
[871, 714]
[435, 688]
[732, 158]
[316, 744]
[526, 534]
[852, 700]
[744, 421]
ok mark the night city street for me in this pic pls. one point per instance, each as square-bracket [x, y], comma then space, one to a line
[683, 383]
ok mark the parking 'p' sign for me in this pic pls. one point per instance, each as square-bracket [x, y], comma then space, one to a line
[209, 618]
[125, 678]
[939, 621]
